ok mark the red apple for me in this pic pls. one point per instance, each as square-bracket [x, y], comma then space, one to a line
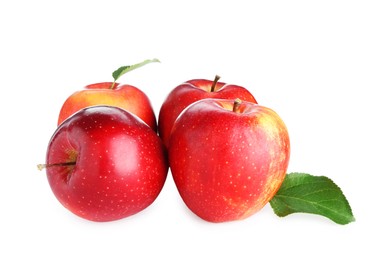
[228, 158]
[124, 96]
[191, 91]
[104, 164]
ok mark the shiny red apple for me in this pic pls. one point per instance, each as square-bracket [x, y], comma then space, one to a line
[191, 91]
[125, 96]
[228, 158]
[103, 164]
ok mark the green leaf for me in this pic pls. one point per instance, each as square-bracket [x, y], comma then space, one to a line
[125, 69]
[302, 192]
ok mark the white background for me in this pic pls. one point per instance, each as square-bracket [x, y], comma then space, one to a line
[324, 66]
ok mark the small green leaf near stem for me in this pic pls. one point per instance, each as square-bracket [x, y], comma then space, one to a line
[125, 69]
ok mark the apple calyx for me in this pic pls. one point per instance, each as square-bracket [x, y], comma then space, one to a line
[236, 106]
[125, 69]
[214, 83]
[43, 166]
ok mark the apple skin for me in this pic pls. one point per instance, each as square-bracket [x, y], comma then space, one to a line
[120, 164]
[227, 165]
[124, 96]
[189, 92]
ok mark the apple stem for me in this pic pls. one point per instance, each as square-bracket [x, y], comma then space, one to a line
[43, 166]
[237, 103]
[113, 84]
[214, 83]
